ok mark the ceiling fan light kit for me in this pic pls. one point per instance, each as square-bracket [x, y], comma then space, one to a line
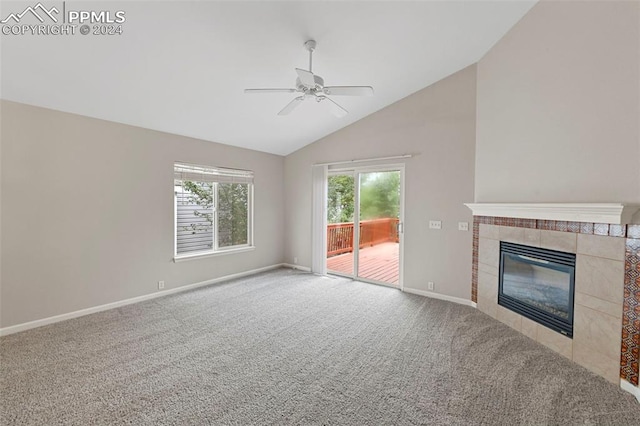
[312, 86]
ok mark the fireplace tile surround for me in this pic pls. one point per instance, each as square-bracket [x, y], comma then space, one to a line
[607, 294]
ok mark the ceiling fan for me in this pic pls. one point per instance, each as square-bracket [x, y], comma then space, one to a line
[311, 86]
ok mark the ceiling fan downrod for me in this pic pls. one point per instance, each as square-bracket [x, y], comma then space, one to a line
[310, 45]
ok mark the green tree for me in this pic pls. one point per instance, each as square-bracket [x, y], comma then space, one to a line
[232, 210]
[233, 214]
[379, 195]
[340, 198]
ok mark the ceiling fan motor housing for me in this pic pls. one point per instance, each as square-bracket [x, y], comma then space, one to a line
[319, 84]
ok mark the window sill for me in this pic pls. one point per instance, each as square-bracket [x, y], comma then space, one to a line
[183, 257]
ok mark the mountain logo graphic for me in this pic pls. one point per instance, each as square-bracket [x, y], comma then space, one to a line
[38, 11]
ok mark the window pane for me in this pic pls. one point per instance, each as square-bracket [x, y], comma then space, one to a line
[233, 214]
[340, 199]
[194, 214]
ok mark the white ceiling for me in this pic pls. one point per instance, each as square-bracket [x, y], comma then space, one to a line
[181, 67]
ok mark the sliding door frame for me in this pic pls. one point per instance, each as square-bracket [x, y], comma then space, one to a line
[356, 172]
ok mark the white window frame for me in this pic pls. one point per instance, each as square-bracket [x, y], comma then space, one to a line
[216, 250]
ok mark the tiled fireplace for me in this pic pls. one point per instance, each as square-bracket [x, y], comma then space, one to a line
[606, 323]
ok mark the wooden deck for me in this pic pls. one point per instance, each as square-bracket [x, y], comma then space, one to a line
[379, 263]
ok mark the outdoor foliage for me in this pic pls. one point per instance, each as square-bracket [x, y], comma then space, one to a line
[340, 203]
[233, 210]
[233, 214]
[379, 196]
[201, 194]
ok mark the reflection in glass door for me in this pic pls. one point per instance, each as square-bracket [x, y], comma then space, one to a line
[364, 206]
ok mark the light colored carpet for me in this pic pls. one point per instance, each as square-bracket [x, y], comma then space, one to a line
[286, 347]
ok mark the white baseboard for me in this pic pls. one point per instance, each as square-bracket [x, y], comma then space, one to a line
[63, 317]
[439, 296]
[298, 267]
[632, 389]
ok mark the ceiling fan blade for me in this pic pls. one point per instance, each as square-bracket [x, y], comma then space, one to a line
[269, 90]
[306, 78]
[333, 107]
[291, 105]
[349, 90]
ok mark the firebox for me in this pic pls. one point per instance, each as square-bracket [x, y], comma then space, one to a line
[538, 284]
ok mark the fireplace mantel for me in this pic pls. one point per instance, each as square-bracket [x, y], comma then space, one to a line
[613, 213]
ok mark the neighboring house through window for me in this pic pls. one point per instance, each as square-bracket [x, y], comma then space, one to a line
[213, 210]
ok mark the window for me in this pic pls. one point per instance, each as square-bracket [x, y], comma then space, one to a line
[213, 209]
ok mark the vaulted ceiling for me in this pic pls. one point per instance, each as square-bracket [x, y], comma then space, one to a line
[181, 67]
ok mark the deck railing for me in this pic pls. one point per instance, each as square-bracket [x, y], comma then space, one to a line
[372, 232]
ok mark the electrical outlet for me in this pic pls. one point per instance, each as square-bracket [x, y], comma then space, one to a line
[160, 285]
[430, 285]
[463, 226]
[295, 260]
[435, 224]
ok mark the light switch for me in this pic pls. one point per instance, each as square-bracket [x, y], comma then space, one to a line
[463, 226]
[435, 224]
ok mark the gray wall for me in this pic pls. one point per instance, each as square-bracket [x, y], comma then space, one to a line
[87, 212]
[558, 107]
[557, 120]
[437, 124]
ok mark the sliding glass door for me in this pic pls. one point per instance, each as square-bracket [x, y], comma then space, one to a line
[364, 219]
[379, 212]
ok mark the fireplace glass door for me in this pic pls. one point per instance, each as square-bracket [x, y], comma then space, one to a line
[539, 284]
